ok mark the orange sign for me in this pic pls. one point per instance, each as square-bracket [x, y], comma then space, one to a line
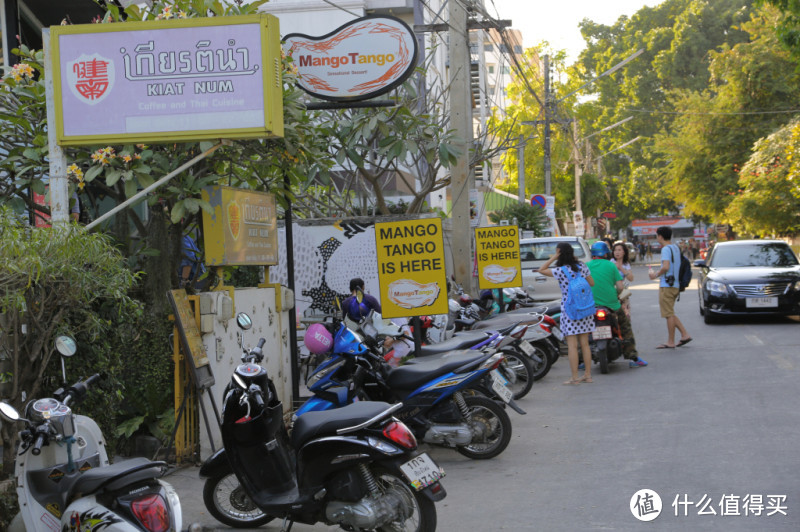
[242, 229]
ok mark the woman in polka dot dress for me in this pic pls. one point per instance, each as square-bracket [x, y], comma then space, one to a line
[574, 330]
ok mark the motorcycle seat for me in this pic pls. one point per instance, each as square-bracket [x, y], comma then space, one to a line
[115, 476]
[460, 341]
[413, 376]
[313, 424]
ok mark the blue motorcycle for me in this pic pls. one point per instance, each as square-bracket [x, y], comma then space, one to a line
[445, 401]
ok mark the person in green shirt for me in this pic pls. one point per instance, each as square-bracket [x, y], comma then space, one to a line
[607, 285]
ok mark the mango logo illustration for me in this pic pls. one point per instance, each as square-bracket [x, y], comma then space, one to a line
[234, 219]
[496, 274]
[406, 293]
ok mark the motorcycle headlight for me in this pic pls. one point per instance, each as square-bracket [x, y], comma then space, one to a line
[713, 286]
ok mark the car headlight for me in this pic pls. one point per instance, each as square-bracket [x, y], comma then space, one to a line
[713, 286]
[796, 286]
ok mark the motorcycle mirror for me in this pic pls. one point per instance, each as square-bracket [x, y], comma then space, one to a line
[243, 321]
[8, 413]
[66, 346]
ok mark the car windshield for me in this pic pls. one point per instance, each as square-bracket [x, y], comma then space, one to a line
[543, 250]
[750, 255]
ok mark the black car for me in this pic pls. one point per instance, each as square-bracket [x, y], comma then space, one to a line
[746, 277]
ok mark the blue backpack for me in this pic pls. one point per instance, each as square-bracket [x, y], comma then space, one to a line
[579, 303]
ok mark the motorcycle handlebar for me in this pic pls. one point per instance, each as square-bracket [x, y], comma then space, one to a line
[37, 445]
[41, 434]
[78, 390]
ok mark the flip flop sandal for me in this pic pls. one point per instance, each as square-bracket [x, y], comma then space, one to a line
[665, 346]
[684, 342]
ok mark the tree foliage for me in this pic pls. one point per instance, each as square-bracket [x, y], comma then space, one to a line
[677, 37]
[53, 281]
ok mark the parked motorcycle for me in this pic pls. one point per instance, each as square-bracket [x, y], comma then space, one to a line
[439, 403]
[357, 466]
[606, 339]
[63, 477]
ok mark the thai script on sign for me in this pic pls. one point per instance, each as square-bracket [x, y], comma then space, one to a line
[205, 61]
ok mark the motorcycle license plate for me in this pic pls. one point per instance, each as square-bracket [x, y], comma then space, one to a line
[761, 302]
[557, 333]
[602, 333]
[500, 388]
[526, 347]
[421, 471]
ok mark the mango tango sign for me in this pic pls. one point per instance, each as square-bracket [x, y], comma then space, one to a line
[411, 268]
[242, 229]
[498, 257]
[166, 81]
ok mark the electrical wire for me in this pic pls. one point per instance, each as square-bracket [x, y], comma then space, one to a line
[342, 8]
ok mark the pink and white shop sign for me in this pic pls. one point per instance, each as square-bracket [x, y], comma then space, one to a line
[164, 81]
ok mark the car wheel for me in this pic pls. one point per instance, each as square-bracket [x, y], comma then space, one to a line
[709, 318]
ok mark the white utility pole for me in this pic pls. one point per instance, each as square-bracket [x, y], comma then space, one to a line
[461, 120]
[58, 183]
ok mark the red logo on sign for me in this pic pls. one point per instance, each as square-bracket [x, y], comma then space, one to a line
[90, 78]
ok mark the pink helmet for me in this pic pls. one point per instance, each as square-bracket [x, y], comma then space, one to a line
[317, 339]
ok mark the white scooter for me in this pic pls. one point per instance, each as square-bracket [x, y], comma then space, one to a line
[64, 479]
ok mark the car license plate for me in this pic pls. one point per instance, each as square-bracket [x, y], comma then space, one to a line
[526, 347]
[421, 471]
[761, 302]
[602, 333]
[557, 333]
[500, 386]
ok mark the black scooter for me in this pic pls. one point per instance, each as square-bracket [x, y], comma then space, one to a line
[606, 339]
[357, 466]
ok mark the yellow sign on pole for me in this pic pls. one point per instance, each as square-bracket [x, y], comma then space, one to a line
[498, 256]
[411, 268]
[243, 228]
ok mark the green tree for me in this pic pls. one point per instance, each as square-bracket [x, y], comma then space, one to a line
[768, 199]
[676, 36]
[53, 281]
[528, 217]
[753, 92]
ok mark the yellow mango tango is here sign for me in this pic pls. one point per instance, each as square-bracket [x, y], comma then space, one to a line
[243, 228]
[411, 268]
[498, 256]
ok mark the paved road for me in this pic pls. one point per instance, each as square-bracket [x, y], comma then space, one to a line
[715, 421]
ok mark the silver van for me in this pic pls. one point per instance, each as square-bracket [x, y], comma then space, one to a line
[534, 252]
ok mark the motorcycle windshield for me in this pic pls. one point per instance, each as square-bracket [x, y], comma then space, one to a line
[348, 341]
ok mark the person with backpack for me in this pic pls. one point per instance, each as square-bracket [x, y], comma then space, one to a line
[577, 306]
[607, 286]
[673, 276]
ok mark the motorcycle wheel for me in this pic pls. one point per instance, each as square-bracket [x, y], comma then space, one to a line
[490, 417]
[602, 359]
[519, 371]
[419, 511]
[543, 352]
[227, 502]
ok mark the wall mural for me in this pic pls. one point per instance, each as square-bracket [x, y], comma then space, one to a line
[326, 257]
